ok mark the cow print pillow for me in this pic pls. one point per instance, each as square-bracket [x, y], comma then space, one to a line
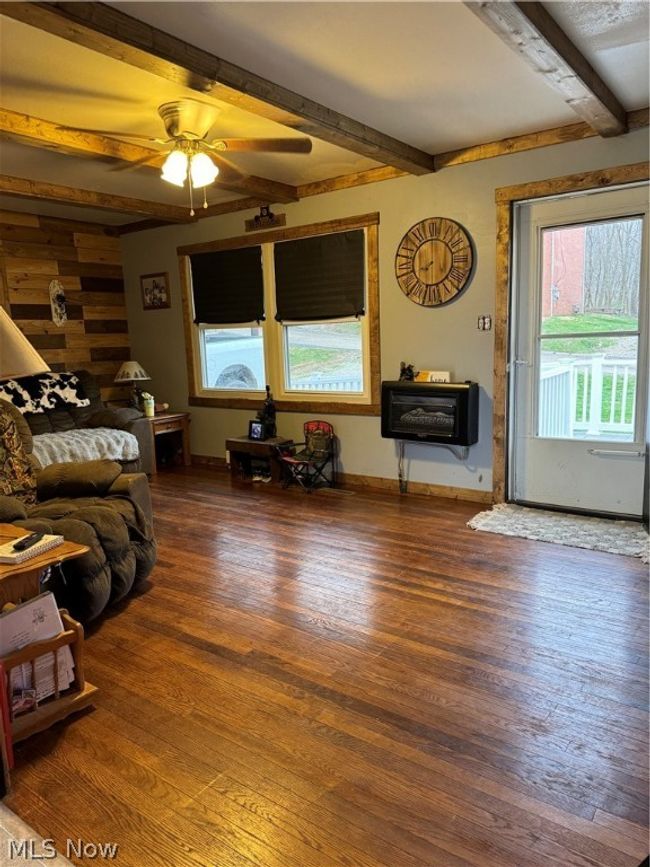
[45, 391]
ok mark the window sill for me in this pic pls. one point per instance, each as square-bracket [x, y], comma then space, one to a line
[311, 406]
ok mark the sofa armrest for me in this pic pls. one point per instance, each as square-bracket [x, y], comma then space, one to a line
[11, 509]
[86, 479]
[135, 487]
[142, 430]
[132, 421]
[119, 417]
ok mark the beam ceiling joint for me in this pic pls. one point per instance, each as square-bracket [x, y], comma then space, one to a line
[531, 31]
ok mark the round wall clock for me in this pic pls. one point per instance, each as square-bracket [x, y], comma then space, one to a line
[434, 261]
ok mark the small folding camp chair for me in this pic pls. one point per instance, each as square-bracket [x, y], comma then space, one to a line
[313, 464]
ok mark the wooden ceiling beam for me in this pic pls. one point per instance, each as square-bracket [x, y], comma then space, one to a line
[41, 133]
[638, 119]
[531, 141]
[529, 30]
[211, 211]
[26, 189]
[113, 33]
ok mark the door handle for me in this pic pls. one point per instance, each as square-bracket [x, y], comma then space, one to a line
[521, 361]
[620, 452]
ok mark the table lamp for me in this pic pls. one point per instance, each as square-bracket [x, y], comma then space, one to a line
[132, 372]
[17, 355]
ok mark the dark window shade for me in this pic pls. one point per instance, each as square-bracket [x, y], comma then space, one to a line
[321, 277]
[228, 286]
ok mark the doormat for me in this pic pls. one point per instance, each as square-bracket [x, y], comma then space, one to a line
[576, 531]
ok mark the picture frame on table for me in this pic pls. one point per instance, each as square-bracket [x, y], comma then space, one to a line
[256, 430]
[155, 291]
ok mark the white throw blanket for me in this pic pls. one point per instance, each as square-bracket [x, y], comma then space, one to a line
[88, 444]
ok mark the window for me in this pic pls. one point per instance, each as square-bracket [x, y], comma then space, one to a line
[232, 358]
[324, 357]
[296, 309]
[590, 330]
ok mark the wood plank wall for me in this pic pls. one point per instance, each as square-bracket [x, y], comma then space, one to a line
[86, 259]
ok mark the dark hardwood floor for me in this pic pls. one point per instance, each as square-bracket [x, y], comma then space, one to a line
[355, 679]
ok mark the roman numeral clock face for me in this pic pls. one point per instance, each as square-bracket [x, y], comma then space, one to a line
[434, 261]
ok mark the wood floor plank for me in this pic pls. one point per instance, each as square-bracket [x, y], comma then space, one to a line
[355, 680]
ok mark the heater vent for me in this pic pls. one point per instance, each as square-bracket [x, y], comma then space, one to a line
[430, 412]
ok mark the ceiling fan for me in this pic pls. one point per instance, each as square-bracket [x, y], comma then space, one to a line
[192, 156]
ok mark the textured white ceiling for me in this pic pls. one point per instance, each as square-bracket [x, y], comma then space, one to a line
[614, 38]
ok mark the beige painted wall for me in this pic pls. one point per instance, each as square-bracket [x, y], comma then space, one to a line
[444, 338]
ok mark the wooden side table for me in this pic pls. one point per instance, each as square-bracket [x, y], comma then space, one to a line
[242, 449]
[21, 581]
[174, 423]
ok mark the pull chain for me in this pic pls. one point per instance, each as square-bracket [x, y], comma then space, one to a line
[189, 178]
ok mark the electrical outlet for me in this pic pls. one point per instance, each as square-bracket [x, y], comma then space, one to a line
[485, 322]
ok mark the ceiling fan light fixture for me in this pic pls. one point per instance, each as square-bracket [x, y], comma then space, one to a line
[174, 169]
[202, 170]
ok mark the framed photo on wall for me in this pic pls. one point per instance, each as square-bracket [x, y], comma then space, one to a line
[155, 291]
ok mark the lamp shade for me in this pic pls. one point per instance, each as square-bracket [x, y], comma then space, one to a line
[174, 169]
[17, 355]
[202, 170]
[130, 371]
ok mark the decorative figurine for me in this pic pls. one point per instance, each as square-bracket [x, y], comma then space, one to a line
[267, 414]
[57, 303]
[407, 372]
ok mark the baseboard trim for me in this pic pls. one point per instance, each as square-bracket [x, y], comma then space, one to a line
[211, 461]
[377, 483]
[449, 492]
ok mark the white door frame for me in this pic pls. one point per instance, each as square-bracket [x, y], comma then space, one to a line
[552, 211]
[601, 178]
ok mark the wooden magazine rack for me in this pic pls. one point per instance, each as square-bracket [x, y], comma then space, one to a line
[77, 696]
[20, 582]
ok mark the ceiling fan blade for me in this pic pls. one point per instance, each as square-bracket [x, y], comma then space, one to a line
[124, 165]
[114, 133]
[268, 145]
[227, 170]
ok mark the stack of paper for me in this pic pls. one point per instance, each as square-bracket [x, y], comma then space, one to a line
[33, 621]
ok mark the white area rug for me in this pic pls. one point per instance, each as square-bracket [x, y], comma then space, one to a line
[576, 531]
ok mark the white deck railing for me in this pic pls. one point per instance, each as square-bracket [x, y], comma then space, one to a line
[316, 383]
[562, 414]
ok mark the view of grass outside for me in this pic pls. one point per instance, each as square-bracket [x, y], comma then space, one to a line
[325, 353]
[583, 394]
[585, 323]
[582, 350]
[305, 361]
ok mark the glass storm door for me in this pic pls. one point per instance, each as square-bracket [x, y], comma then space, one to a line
[579, 352]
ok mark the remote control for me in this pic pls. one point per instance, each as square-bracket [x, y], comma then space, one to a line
[27, 541]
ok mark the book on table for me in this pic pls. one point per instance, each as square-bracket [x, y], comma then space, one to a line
[8, 555]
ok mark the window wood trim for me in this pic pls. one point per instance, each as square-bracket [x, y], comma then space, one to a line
[287, 234]
[369, 222]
